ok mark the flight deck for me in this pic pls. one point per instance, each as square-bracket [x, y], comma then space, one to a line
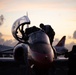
[9, 67]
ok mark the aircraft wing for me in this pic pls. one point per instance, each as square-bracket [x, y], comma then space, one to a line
[60, 47]
[6, 52]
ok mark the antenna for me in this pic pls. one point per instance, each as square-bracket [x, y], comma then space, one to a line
[27, 16]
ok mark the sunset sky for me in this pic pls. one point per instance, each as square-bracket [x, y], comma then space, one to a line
[60, 14]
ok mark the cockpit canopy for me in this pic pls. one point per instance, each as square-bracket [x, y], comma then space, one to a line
[16, 25]
[38, 37]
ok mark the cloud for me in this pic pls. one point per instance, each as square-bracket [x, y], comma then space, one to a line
[1, 41]
[1, 19]
[10, 42]
[69, 46]
[0, 35]
[69, 37]
[7, 42]
[55, 41]
[74, 35]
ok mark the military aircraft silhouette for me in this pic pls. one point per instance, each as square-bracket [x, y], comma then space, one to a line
[38, 45]
[33, 50]
[60, 47]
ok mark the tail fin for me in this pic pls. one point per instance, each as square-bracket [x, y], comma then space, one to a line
[62, 41]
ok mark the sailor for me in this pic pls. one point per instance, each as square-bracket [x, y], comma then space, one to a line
[49, 31]
[31, 30]
[27, 31]
[24, 36]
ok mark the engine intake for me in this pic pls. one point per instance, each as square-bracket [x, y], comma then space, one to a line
[21, 53]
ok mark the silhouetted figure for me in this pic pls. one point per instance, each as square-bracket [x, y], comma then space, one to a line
[31, 30]
[27, 31]
[72, 61]
[24, 36]
[49, 31]
[21, 30]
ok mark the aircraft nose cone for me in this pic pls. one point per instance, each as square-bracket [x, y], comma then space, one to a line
[46, 57]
